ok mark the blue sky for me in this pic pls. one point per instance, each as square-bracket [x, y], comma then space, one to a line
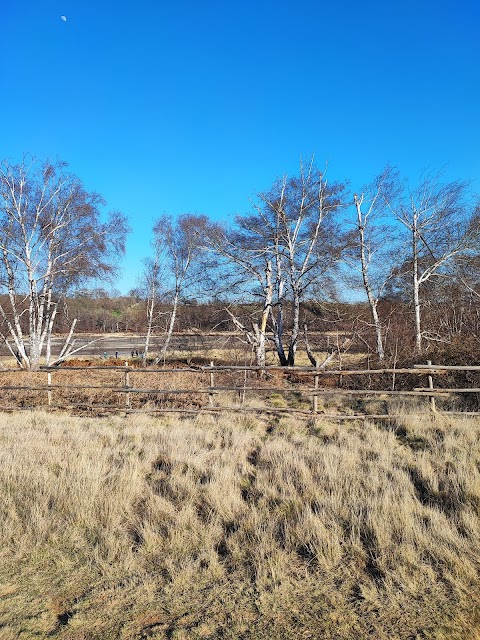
[196, 106]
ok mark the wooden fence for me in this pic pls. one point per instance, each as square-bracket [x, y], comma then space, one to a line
[207, 384]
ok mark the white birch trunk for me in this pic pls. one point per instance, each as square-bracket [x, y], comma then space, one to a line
[67, 345]
[150, 310]
[416, 285]
[168, 337]
[292, 348]
[372, 300]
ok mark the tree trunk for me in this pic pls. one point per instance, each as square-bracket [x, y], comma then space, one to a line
[168, 337]
[67, 346]
[372, 301]
[151, 304]
[416, 287]
[378, 331]
[267, 305]
[278, 335]
[260, 350]
[292, 348]
[278, 321]
[34, 355]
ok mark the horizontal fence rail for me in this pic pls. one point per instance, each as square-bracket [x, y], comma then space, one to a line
[209, 383]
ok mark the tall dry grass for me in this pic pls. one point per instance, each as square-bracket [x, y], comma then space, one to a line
[238, 527]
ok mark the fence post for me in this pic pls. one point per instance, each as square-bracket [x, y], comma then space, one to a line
[212, 381]
[49, 392]
[315, 397]
[127, 386]
[430, 386]
[242, 393]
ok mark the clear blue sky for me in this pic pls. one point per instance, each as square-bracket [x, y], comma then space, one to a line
[189, 106]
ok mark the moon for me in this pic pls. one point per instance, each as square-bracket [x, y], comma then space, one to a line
[64, 18]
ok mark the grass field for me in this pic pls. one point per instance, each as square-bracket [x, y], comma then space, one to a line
[238, 527]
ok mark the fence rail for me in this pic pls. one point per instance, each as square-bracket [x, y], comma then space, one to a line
[128, 391]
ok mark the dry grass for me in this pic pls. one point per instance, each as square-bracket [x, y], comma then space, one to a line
[238, 527]
[70, 392]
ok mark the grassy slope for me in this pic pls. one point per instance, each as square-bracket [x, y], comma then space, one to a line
[238, 527]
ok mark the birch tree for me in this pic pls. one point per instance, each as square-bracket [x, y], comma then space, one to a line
[52, 239]
[439, 219]
[372, 250]
[244, 267]
[171, 274]
[300, 225]
[288, 244]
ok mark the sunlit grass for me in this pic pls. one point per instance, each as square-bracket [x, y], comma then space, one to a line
[238, 527]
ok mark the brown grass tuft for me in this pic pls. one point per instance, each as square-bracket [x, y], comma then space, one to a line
[239, 527]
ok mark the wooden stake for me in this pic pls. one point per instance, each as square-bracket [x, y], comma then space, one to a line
[49, 392]
[315, 396]
[212, 382]
[430, 386]
[127, 386]
[241, 394]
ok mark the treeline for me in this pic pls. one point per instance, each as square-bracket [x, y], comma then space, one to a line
[452, 322]
[290, 267]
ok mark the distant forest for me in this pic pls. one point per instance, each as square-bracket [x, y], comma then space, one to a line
[452, 322]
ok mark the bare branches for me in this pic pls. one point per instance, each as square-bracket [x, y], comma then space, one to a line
[439, 224]
[171, 273]
[52, 239]
[289, 241]
[369, 243]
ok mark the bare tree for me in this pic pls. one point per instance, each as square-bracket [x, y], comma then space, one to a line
[278, 252]
[171, 274]
[438, 219]
[52, 239]
[243, 267]
[298, 221]
[373, 245]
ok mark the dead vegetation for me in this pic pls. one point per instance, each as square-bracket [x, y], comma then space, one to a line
[97, 387]
[88, 389]
[239, 527]
[92, 388]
